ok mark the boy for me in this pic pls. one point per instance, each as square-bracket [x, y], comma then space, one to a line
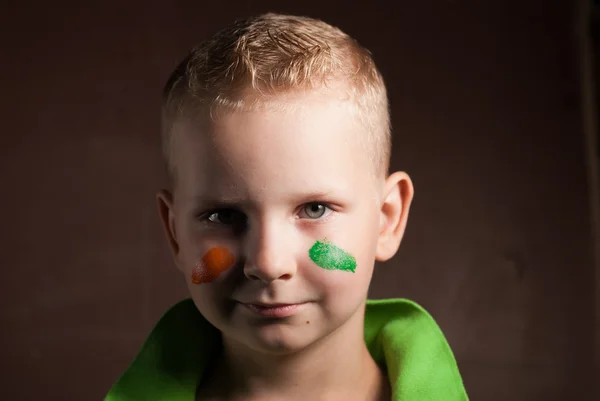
[277, 139]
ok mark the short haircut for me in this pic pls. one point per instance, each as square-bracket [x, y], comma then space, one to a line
[252, 61]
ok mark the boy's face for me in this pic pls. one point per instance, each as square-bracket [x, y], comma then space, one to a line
[278, 208]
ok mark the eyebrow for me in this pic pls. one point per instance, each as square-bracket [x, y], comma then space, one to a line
[243, 202]
[213, 202]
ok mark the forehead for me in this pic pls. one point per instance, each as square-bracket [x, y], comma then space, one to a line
[309, 143]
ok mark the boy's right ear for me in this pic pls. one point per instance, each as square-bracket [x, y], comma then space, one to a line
[164, 200]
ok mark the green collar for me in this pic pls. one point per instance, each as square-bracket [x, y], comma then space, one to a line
[399, 334]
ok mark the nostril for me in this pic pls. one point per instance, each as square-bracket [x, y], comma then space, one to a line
[255, 277]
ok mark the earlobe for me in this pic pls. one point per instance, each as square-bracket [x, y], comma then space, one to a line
[164, 201]
[398, 194]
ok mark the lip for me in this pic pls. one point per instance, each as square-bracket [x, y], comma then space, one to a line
[273, 310]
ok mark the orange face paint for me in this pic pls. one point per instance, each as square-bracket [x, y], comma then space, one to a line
[213, 263]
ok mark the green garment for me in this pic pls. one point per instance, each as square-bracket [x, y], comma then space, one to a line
[400, 335]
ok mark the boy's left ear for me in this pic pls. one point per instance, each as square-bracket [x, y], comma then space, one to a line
[398, 193]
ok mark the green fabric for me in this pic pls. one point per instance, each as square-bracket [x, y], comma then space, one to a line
[400, 335]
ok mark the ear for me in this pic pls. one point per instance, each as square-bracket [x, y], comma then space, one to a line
[398, 193]
[164, 200]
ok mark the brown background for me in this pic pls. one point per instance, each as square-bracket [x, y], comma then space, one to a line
[487, 116]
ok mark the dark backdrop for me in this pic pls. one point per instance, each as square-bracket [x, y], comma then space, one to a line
[487, 120]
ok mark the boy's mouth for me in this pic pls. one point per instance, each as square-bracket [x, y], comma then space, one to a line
[276, 310]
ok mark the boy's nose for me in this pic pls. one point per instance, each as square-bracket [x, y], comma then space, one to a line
[268, 256]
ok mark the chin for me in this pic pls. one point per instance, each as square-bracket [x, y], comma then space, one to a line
[277, 340]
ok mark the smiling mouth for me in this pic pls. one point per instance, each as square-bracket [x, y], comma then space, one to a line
[273, 310]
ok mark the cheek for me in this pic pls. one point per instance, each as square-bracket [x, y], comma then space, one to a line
[210, 302]
[342, 268]
[339, 270]
[209, 285]
[331, 257]
[215, 261]
[340, 292]
[349, 251]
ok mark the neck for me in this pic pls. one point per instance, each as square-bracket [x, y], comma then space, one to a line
[336, 367]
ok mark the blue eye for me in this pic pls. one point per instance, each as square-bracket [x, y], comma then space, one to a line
[315, 210]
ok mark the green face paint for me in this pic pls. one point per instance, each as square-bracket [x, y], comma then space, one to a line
[330, 257]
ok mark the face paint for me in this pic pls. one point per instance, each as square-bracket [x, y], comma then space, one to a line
[330, 257]
[213, 263]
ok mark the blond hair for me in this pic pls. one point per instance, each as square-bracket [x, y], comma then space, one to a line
[252, 61]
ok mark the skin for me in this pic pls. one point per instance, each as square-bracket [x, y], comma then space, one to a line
[213, 263]
[251, 182]
[330, 257]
